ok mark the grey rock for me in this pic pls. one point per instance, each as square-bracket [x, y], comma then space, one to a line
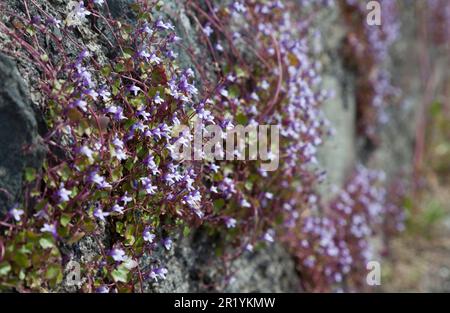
[194, 267]
[19, 139]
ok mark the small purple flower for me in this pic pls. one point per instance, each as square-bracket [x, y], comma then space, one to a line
[269, 236]
[207, 30]
[151, 165]
[102, 289]
[48, 228]
[81, 104]
[245, 203]
[125, 199]
[85, 150]
[162, 272]
[134, 89]
[98, 213]
[162, 25]
[104, 93]
[157, 99]
[53, 21]
[230, 222]
[16, 213]
[167, 243]
[64, 194]
[158, 273]
[148, 236]
[117, 111]
[154, 59]
[99, 180]
[118, 209]
[118, 255]
[147, 184]
[91, 93]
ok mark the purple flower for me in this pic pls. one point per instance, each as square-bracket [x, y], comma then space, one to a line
[245, 203]
[125, 199]
[159, 272]
[167, 243]
[151, 165]
[117, 208]
[53, 21]
[207, 30]
[118, 255]
[99, 180]
[162, 25]
[104, 93]
[102, 289]
[80, 10]
[117, 111]
[157, 99]
[154, 59]
[148, 236]
[81, 104]
[16, 213]
[92, 93]
[134, 89]
[98, 213]
[85, 150]
[230, 222]
[269, 236]
[64, 194]
[147, 184]
[162, 272]
[48, 228]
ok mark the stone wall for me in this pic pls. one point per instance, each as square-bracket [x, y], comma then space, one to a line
[194, 266]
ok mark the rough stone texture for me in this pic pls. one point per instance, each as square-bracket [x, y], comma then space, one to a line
[194, 267]
[338, 153]
[19, 140]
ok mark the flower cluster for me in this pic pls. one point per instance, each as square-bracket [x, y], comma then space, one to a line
[113, 167]
[333, 244]
[365, 50]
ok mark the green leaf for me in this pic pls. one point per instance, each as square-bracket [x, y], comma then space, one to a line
[65, 219]
[218, 204]
[120, 274]
[54, 273]
[30, 174]
[186, 231]
[46, 242]
[5, 267]
[242, 119]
